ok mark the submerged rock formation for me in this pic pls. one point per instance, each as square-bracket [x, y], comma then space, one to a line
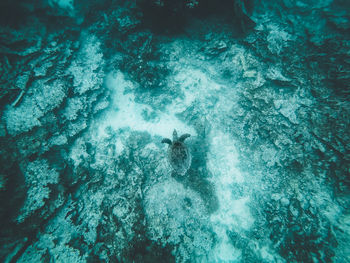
[89, 89]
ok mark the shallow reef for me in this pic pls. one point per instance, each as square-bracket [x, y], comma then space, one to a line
[90, 89]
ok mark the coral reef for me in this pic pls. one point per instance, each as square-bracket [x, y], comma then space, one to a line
[88, 91]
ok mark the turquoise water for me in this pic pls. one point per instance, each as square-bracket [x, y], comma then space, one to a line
[90, 89]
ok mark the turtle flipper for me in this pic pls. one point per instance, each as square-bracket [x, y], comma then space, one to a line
[184, 137]
[166, 140]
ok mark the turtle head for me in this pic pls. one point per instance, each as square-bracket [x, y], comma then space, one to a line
[175, 138]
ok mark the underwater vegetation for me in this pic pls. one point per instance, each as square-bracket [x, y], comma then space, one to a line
[174, 131]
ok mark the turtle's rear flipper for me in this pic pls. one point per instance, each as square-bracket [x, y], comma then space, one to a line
[178, 177]
[166, 140]
[184, 137]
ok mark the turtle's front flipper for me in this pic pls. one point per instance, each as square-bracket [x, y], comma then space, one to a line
[184, 137]
[166, 140]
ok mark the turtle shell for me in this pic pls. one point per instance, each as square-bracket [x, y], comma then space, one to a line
[179, 157]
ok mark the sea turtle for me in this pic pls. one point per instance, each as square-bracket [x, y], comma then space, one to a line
[178, 154]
